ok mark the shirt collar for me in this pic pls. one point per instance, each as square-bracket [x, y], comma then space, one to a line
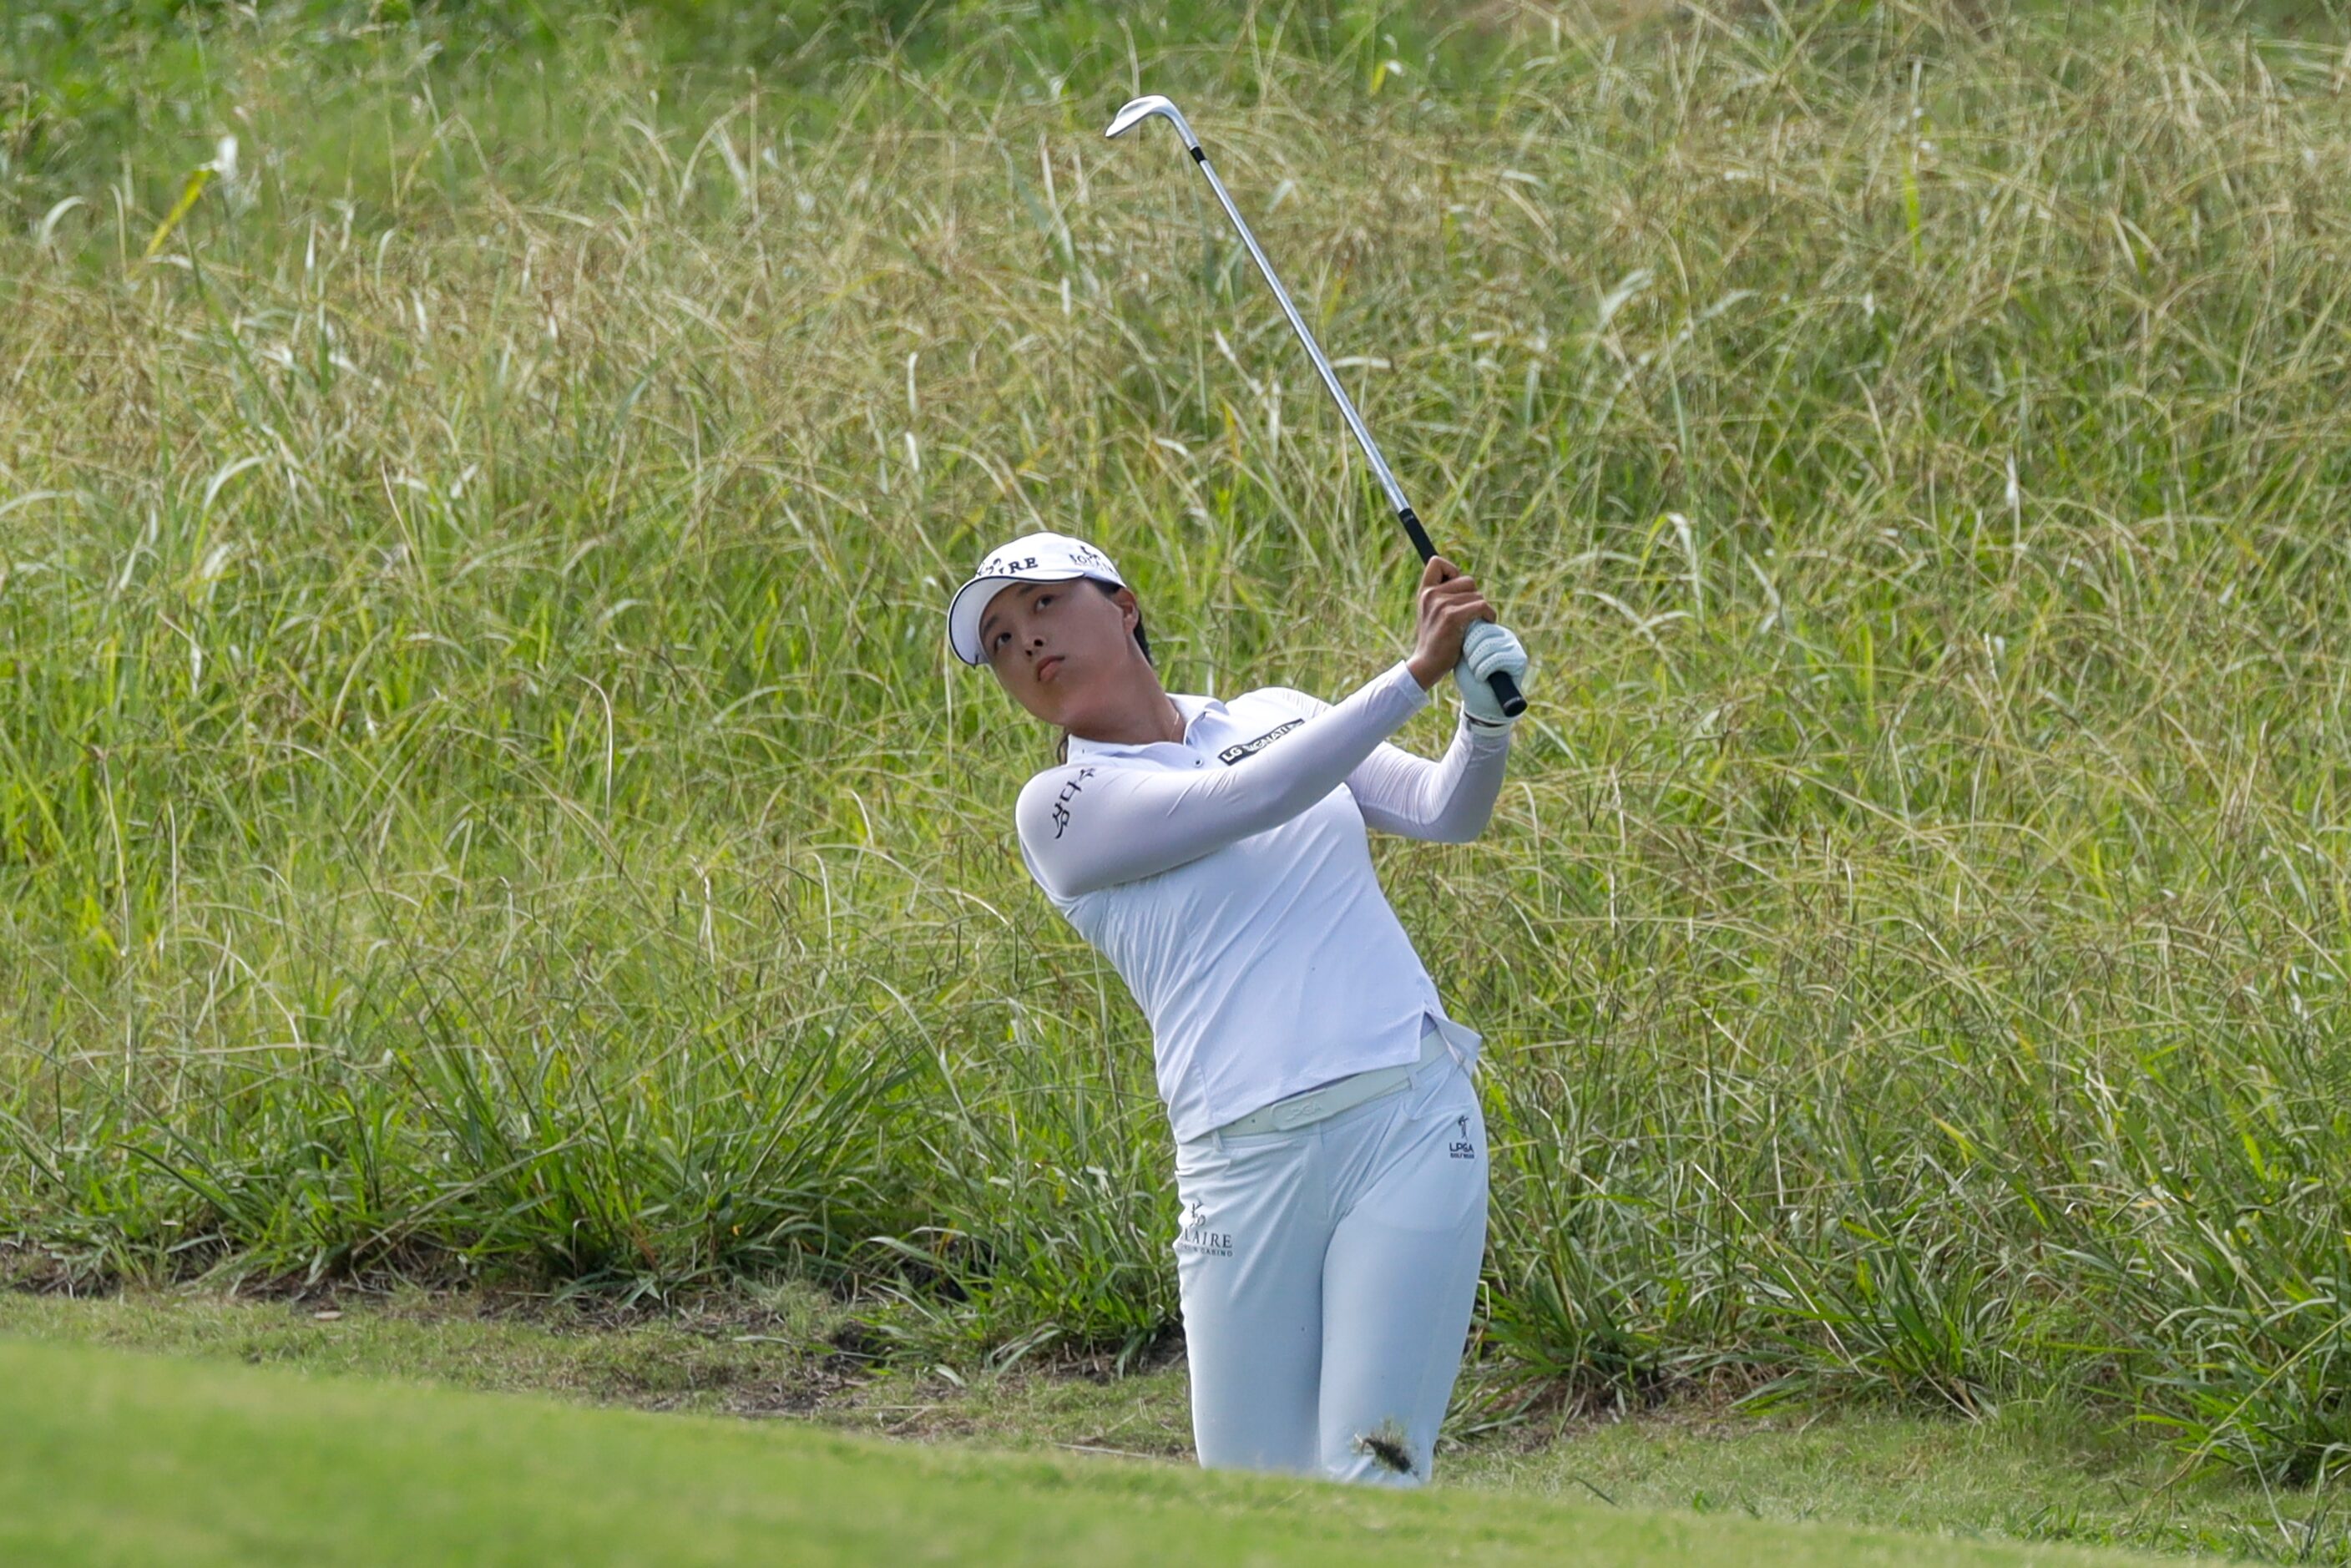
[1187, 707]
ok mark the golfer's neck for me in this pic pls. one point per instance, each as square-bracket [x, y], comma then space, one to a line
[1135, 714]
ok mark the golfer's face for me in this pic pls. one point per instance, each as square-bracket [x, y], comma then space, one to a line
[1049, 641]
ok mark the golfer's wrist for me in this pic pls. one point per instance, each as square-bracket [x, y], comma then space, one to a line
[1425, 669]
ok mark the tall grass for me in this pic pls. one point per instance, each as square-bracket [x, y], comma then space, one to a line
[483, 787]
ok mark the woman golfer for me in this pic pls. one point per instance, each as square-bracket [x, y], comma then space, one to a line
[1330, 1154]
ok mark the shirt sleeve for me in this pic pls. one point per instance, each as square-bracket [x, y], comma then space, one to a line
[1447, 801]
[1084, 827]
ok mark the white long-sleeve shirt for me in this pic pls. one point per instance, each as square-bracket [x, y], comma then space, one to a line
[1227, 879]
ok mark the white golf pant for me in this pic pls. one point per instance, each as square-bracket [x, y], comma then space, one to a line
[1328, 1274]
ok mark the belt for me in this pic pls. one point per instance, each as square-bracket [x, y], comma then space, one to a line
[1328, 1099]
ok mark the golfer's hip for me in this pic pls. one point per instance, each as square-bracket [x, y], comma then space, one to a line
[1408, 1140]
[1444, 1048]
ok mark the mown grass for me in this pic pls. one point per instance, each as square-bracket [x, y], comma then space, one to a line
[118, 1458]
[483, 790]
[2038, 1472]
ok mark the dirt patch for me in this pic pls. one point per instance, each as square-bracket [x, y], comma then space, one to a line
[1520, 1417]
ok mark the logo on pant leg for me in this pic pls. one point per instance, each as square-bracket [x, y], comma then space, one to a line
[1461, 1147]
[1192, 1233]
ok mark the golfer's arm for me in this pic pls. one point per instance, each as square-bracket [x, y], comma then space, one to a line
[1086, 828]
[1450, 801]
[1447, 801]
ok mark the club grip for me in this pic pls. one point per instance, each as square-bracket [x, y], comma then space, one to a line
[1506, 692]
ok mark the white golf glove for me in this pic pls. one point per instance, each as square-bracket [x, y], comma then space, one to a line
[1488, 648]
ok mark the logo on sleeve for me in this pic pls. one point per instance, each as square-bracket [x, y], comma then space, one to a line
[1070, 792]
[1232, 753]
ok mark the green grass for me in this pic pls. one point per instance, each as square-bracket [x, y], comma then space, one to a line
[111, 1457]
[2030, 1474]
[482, 793]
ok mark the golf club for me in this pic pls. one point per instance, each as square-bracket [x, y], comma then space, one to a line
[1506, 690]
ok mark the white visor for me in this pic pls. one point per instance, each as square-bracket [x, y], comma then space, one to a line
[1032, 557]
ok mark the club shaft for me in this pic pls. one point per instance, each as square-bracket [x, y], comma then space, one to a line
[1405, 514]
[1506, 690]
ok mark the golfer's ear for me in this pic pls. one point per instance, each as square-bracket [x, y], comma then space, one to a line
[1129, 609]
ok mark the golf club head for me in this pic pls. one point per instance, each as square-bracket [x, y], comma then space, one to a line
[1142, 108]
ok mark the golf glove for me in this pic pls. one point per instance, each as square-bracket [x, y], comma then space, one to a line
[1488, 648]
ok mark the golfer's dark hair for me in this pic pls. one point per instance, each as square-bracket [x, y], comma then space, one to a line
[1141, 641]
[1062, 747]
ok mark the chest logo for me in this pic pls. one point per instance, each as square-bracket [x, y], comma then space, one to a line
[1232, 753]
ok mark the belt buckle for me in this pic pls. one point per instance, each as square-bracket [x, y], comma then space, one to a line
[1290, 1112]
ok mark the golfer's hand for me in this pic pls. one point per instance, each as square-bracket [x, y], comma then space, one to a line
[1449, 605]
[1488, 648]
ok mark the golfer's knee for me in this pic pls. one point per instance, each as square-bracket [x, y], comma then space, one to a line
[1256, 1457]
